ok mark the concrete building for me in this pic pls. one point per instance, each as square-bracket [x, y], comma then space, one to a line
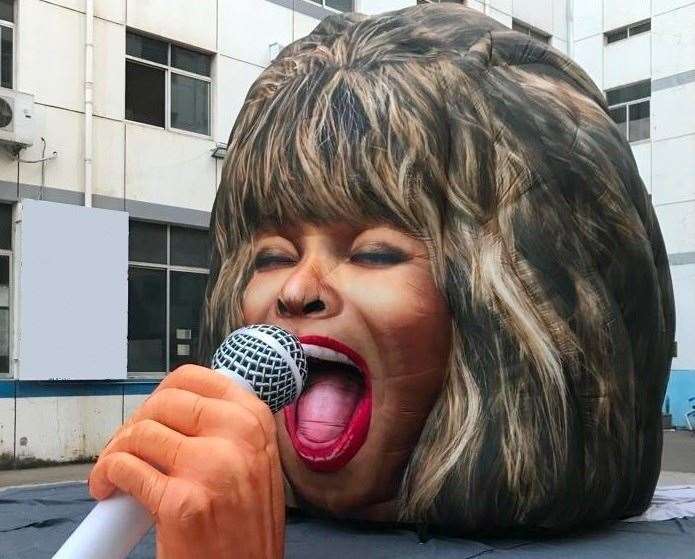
[103, 217]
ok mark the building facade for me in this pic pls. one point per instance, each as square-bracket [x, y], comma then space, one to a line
[133, 102]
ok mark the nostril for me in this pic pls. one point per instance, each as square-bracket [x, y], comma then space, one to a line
[316, 305]
[282, 308]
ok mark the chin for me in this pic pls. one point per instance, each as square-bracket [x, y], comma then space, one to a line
[362, 488]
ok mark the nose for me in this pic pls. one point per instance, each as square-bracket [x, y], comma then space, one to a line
[307, 294]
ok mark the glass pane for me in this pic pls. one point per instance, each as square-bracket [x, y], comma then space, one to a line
[147, 242]
[618, 35]
[187, 293]
[619, 116]
[146, 320]
[6, 226]
[190, 60]
[342, 5]
[144, 93]
[640, 28]
[147, 48]
[7, 10]
[639, 121]
[190, 105]
[639, 90]
[4, 314]
[190, 247]
[7, 58]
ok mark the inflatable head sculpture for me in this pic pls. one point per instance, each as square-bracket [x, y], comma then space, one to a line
[498, 152]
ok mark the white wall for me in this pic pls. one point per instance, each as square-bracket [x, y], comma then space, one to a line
[234, 78]
[677, 222]
[588, 53]
[379, 6]
[588, 18]
[303, 25]
[627, 61]
[669, 111]
[537, 13]
[51, 54]
[109, 69]
[674, 42]
[674, 170]
[169, 168]
[683, 281]
[618, 13]
[6, 429]
[643, 157]
[243, 41]
[192, 23]
[65, 428]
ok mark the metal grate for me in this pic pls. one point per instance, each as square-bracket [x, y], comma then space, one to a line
[246, 353]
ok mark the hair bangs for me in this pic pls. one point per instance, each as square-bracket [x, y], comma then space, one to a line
[332, 147]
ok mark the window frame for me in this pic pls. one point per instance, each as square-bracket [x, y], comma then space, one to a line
[168, 268]
[168, 71]
[10, 374]
[627, 105]
[322, 3]
[629, 31]
[13, 26]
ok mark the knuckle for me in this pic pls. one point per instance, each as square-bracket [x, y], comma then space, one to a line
[194, 506]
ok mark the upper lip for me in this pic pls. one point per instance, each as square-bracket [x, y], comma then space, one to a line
[354, 358]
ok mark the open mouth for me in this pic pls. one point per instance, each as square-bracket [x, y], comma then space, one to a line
[329, 422]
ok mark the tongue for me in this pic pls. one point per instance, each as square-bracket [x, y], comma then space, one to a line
[325, 408]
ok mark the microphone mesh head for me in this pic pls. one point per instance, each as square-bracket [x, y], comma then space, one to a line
[269, 358]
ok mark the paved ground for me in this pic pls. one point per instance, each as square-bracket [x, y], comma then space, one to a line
[677, 468]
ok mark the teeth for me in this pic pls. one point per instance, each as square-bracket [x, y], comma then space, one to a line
[326, 354]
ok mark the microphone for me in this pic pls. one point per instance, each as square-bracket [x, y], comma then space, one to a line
[262, 358]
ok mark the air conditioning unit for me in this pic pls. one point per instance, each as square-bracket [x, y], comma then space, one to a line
[17, 125]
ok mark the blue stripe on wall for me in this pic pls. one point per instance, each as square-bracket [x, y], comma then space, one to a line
[38, 389]
[681, 386]
[7, 389]
[140, 388]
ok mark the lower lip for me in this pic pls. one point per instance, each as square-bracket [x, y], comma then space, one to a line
[330, 457]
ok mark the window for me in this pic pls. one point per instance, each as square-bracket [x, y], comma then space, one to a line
[441, 1]
[629, 109]
[5, 286]
[6, 43]
[530, 31]
[167, 85]
[628, 31]
[338, 5]
[167, 275]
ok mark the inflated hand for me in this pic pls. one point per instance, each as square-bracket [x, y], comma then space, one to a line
[201, 456]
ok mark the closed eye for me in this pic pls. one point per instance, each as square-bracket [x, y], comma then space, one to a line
[385, 256]
[266, 260]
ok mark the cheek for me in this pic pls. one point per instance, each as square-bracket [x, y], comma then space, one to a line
[258, 300]
[411, 325]
[410, 311]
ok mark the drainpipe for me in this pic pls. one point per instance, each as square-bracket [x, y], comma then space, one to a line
[88, 99]
[569, 11]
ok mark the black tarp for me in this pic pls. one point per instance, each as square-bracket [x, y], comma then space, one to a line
[34, 522]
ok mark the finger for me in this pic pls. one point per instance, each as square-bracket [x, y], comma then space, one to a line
[194, 415]
[130, 474]
[277, 489]
[210, 384]
[152, 442]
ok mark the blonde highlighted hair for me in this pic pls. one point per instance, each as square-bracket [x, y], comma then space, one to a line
[498, 150]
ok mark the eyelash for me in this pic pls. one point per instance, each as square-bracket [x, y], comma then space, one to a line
[379, 257]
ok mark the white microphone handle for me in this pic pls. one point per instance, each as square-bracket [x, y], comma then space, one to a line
[115, 525]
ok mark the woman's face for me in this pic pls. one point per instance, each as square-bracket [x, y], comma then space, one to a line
[377, 333]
